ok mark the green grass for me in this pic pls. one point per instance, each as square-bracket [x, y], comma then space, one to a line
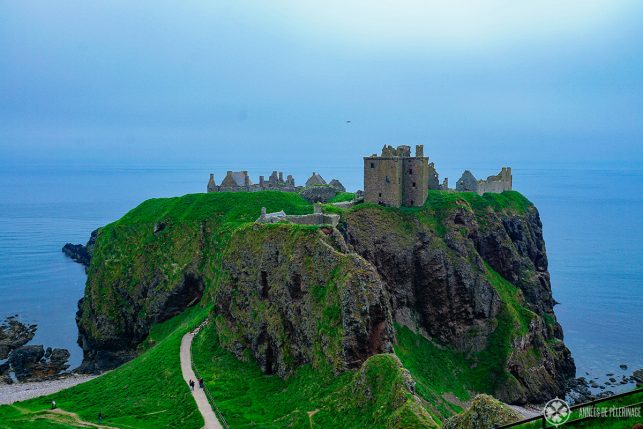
[147, 392]
[248, 398]
[343, 196]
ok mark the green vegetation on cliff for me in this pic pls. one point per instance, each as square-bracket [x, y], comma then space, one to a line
[343, 196]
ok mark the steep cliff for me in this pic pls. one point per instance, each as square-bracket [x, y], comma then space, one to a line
[156, 261]
[291, 295]
[467, 274]
[470, 272]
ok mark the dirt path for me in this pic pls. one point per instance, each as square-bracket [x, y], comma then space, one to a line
[60, 416]
[209, 417]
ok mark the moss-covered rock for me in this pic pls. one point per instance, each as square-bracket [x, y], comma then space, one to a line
[485, 413]
[291, 298]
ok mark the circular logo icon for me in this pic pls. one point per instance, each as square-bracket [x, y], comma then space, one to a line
[556, 412]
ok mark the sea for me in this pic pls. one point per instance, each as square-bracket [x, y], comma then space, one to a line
[592, 217]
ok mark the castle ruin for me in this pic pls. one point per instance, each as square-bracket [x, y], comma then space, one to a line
[239, 181]
[396, 178]
[500, 182]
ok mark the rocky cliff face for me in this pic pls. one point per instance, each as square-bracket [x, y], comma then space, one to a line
[138, 276]
[294, 295]
[459, 273]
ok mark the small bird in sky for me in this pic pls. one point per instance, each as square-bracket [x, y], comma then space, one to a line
[348, 122]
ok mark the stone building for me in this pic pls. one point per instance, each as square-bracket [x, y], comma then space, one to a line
[501, 182]
[239, 181]
[235, 181]
[315, 180]
[396, 178]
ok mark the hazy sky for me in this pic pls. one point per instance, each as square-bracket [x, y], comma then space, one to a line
[161, 83]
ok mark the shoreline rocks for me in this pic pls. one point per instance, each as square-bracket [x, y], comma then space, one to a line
[14, 334]
[81, 253]
[27, 362]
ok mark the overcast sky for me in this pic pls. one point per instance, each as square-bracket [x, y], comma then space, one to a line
[159, 83]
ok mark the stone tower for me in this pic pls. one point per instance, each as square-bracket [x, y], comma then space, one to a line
[212, 187]
[396, 178]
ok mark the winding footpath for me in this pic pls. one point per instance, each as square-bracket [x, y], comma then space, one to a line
[211, 421]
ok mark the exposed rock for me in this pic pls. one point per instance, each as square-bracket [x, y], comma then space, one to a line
[467, 182]
[114, 347]
[638, 375]
[30, 363]
[293, 298]
[438, 285]
[623, 366]
[485, 413]
[81, 253]
[14, 334]
[4, 374]
[579, 391]
[319, 193]
[337, 185]
[158, 227]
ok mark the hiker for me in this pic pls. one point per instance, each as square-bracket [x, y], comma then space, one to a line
[191, 383]
[100, 418]
[53, 405]
[201, 383]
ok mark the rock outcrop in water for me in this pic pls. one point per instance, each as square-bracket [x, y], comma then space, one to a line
[27, 362]
[81, 253]
[465, 271]
[14, 334]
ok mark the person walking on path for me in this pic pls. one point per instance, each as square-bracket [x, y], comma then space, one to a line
[191, 383]
[53, 405]
[209, 417]
[200, 383]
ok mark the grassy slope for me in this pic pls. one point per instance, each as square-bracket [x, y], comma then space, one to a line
[249, 398]
[147, 392]
[343, 196]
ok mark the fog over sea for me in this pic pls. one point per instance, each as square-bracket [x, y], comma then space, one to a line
[591, 216]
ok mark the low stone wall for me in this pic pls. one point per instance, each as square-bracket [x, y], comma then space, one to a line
[313, 219]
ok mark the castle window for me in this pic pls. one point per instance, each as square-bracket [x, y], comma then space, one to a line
[388, 179]
[380, 195]
[414, 184]
[411, 202]
[410, 171]
[372, 165]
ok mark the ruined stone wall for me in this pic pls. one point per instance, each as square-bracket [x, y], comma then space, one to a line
[383, 180]
[496, 184]
[314, 219]
[415, 178]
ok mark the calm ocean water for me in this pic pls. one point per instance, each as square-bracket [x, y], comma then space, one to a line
[592, 222]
